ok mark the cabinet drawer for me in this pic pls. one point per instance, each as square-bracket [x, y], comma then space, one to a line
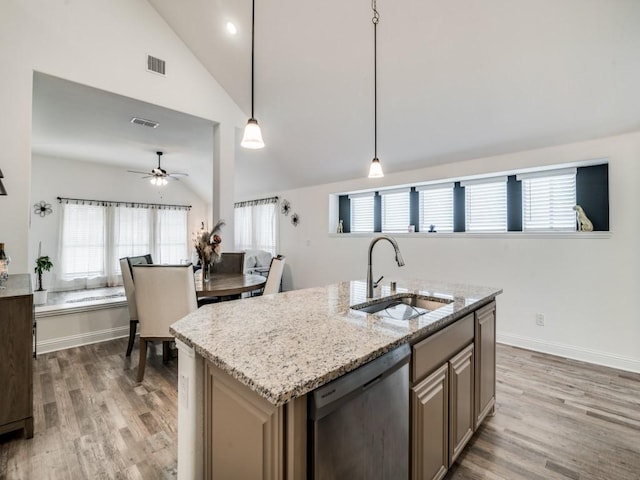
[435, 350]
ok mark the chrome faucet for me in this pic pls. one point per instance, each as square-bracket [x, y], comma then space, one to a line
[370, 283]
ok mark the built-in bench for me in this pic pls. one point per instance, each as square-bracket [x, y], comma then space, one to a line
[80, 317]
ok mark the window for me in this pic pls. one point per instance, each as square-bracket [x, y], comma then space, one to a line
[436, 207]
[82, 252]
[548, 199]
[256, 225]
[95, 235]
[171, 238]
[395, 210]
[486, 205]
[362, 212]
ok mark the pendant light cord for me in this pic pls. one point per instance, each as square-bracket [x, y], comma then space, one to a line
[253, 36]
[375, 20]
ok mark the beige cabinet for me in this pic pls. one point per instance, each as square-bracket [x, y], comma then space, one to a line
[442, 404]
[430, 431]
[244, 435]
[461, 396]
[485, 361]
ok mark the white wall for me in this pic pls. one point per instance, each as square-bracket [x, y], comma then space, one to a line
[103, 45]
[585, 286]
[53, 177]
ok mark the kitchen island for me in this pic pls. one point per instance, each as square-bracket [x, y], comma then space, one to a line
[246, 368]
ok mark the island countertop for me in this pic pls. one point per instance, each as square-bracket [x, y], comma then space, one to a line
[284, 346]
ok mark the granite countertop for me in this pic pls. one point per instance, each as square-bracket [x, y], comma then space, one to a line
[16, 286]
[286, 345]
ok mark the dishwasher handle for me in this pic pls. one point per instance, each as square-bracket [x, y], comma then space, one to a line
[331, 396]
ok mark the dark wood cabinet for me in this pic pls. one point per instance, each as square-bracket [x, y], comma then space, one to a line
[16, 348]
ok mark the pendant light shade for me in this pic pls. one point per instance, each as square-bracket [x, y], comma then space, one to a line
[252, 137]
[375, 170]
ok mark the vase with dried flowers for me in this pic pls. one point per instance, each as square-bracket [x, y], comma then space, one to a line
[207, 244]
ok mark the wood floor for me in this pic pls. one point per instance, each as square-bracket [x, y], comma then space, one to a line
[555, 419]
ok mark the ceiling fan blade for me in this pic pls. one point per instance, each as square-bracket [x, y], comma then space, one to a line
[178, 174]
[134, 171]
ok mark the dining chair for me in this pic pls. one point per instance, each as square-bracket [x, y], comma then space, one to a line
[164, 294]
[274, 277]
[130, 293]
[230, 262]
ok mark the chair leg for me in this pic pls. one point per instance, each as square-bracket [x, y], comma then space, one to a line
[166, 352]
[133, 326]
[143, 359]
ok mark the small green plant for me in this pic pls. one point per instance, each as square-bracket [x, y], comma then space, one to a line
[43, 264]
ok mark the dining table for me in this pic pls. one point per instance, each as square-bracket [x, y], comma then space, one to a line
[226, 285]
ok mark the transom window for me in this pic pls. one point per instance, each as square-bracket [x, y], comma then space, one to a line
[486, 205]
[436, 207]
[395, 210]
[548, 199]
[362, 212]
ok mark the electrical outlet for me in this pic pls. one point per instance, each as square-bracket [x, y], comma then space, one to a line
[540, 319]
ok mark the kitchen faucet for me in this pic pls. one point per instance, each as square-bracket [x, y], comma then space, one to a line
[370, 283]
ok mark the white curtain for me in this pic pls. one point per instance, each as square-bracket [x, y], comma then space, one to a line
[256, 225]
[95, 235]
[82, 252]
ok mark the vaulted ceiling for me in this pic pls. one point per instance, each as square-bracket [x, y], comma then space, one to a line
[457, 79]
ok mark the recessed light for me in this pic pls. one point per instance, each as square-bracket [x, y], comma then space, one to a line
[231, 28]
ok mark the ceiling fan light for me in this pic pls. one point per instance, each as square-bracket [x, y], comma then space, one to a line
[153, 181]
[375, 170]
[164, 181]
[252, 137]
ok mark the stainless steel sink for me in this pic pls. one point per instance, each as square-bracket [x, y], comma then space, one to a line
[402, 307]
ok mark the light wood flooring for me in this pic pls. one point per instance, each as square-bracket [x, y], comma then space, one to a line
[555, 419]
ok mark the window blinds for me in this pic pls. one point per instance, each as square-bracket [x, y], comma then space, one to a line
[486, 205]
[395, 210]
[436, 207]
[361, 213]
[548, 199]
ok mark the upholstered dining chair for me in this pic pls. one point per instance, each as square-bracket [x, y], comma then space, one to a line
[130, 293]
[230, 262]
[274, 277]
[164, 294]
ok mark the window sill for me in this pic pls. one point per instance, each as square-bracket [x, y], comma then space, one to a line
[519, 235]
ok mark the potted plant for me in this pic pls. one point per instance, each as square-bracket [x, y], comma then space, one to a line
[43, 264]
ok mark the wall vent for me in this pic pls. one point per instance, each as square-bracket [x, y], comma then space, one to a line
[156, 65]
[144, 122]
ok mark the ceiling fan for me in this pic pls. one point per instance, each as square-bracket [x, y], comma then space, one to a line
[159, 175]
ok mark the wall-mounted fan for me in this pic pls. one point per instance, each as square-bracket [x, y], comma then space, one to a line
[159, 175]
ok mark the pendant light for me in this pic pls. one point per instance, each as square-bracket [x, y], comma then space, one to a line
[375, 170]
[252, 137]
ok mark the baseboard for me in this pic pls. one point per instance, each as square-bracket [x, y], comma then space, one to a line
[568, 351]
[80, 339]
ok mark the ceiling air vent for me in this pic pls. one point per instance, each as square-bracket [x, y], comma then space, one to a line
[144, 122]
[156, 65]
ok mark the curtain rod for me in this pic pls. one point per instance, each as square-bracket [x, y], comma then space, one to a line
[259, 201]
[118, 203]
[256, 202]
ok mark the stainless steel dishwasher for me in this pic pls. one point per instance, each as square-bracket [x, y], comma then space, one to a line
[359, 423]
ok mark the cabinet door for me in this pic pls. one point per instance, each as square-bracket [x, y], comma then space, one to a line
[243, 432]
[16, 401]
[461, 395]
[429, 405]
[485, 363]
